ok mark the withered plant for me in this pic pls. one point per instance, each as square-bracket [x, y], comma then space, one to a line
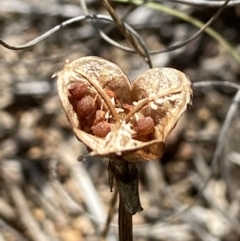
[125, 122]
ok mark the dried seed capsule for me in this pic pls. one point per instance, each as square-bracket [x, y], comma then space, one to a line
[145, 126]
[162, 93]
[85, 107]
[101, 129]
[77, 89]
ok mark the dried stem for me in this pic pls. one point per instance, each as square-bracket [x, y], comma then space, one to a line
[126, 177]
[125, 225]
[126, 32]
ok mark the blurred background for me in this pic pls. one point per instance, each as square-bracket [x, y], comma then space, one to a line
[47, 195]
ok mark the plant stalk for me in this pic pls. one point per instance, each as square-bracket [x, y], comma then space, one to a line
[125, 175]
[125, 226]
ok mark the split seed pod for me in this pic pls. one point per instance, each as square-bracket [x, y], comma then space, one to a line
[112, 116]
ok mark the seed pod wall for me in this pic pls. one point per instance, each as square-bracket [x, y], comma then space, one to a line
[112, 116]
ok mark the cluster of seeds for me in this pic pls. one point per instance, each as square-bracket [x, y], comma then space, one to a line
[85, 106]
[96, 120]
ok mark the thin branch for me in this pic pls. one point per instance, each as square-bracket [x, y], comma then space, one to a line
[42, 37]
[189, 19]
[215, 82]
[84, 6]
[132, 39]
[203, 27]
[181, 44]
[197, 34]
[104, 36]
[68, 22]
[130, 31]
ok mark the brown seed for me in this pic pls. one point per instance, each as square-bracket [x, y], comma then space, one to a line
[145, 126]
[77, 89]
[86, 106]
[101, 129]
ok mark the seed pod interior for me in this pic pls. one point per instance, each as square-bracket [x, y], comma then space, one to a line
[169, 93]
[110, 115]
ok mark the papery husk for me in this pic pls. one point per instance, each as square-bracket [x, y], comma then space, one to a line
[169, 87]
[173, 94]
[100, 71]
[172, 89]
[109, 76]
[106, 74]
